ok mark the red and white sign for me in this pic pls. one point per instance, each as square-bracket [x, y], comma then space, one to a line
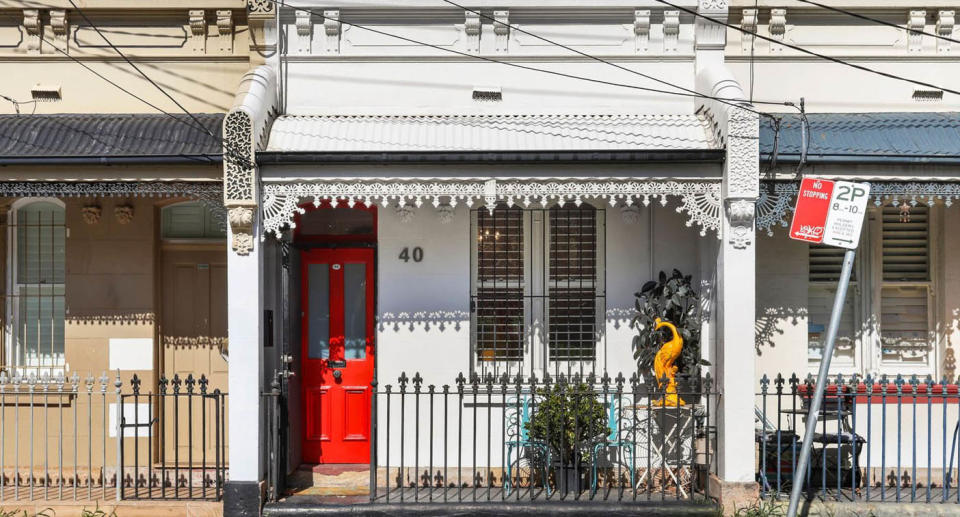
[810, 214]
[830, 212]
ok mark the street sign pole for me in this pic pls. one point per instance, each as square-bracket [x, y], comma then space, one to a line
[801, 468]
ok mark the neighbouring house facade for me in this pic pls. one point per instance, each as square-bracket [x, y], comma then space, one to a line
[898, 333]
[114, 245]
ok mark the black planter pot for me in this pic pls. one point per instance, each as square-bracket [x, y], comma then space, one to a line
[570, 479]
[689, 387]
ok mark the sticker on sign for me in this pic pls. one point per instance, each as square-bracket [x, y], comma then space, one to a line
[830, 212]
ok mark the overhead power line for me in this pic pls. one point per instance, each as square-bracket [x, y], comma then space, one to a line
[809, 52]
[480, 57]
[137, 68]
[732, 102]
[878, 21]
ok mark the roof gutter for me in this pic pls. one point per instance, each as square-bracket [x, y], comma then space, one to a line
[170, 159]
[870, 158]
[486, 157]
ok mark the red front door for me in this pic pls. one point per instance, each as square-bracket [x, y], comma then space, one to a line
[338, 350]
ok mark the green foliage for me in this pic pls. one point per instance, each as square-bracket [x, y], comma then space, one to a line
[569, 418]
[762, 508]
[98, 512]
[46, 512]
[671, 299]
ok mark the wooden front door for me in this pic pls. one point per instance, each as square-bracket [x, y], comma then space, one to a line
[193, 331]
[338, 351]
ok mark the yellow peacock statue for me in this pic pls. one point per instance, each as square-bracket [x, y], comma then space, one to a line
[663, 365]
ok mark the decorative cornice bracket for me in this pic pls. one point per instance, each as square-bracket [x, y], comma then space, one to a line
[198, 30]
[916, 22]
[748, 26]
[777, 28]
[471, 28]
[225, 30]
[671, 30]
[501, 30]
[641, 29]
[304, 23]
[945, 24]
[332, 28]
[33, 26]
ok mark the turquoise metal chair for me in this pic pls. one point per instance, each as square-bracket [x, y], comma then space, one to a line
[613, 441]
[524, 441]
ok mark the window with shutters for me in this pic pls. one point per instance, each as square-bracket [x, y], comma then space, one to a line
[537, 294]
[192, 220]
[825, 265]
[905, 293]
[36, 283]
[887, 324]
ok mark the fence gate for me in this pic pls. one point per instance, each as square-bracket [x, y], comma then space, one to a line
[173, 442]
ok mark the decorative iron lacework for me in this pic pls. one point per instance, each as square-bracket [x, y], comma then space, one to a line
[777, 198]
[699, 199]
[209, 193]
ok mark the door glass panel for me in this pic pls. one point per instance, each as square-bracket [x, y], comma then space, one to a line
[355, 310]
[318, 321]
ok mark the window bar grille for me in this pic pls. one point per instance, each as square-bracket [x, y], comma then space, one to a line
[543, 298]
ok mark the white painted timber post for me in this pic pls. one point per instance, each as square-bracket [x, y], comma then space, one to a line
[243, 318]
[243, 129]
[738, 129]
[737, 303]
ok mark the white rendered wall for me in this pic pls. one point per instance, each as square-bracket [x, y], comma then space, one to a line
[424, 321]
[782, 272]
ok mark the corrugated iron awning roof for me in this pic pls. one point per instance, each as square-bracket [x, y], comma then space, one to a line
[867, 137]
[488, 133]
[108, 137]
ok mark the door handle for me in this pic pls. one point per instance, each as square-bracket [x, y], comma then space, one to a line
[337, 375]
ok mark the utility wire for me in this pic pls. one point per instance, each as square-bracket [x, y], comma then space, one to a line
[521, 66]
[732, 102]
[145, 76]
[878, 21]
[810, 52]
[16, 103]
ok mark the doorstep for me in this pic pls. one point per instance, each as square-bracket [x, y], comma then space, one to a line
[123, 508]
[360, 506]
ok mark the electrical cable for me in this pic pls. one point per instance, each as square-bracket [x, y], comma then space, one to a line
[731, 102]
[810, 52]
[135, 67]
[521, 66]
[16, 103]
[878, 21]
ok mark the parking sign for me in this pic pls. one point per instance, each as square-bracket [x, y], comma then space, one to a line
[845, 217]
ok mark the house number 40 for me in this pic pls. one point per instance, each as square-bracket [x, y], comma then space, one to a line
[406, 254]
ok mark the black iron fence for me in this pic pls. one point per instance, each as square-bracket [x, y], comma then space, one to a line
[184, 455]
[59, 438]
[879, 439]
[486, 439]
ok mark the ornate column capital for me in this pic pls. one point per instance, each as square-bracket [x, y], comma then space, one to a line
[244, 128]
[741, 180]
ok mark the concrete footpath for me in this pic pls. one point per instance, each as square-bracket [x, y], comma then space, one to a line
[122, 508]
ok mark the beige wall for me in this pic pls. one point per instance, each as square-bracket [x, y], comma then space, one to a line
[194, 57]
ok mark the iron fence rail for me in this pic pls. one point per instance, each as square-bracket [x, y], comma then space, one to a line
[487, 439]
[59, 438]
[880, 439]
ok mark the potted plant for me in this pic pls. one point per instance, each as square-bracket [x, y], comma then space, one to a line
[672, 299]
[570, 419]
